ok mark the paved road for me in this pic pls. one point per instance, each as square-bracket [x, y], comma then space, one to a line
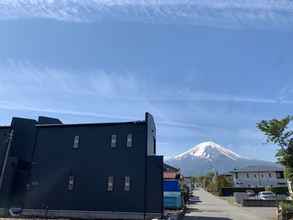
[210, 207]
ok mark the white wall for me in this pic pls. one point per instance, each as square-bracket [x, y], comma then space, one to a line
[258, 179]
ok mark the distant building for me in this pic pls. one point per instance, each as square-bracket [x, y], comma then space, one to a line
[171, 172]
[259, 176]
[103, 170]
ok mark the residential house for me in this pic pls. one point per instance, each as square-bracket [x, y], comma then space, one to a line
[91, 171]
[259, 176]
[171, 172]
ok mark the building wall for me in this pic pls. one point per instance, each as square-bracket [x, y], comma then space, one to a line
[155, 184]
[43, 158]
[4, 133]
[91, 165]
[151, 135]
[258, 179]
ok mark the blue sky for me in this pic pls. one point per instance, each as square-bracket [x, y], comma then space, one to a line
[206, 70]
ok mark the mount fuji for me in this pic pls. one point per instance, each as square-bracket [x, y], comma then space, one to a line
[211, 157]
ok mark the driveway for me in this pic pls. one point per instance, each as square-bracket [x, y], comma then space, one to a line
[210, 207]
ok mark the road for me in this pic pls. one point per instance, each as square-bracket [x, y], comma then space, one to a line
[210, 207]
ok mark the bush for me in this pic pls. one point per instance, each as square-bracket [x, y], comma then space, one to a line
[280, 190]
[286, 206]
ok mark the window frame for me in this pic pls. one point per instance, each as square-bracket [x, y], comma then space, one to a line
[129, 141]
[76, 142]
[71, 182]
[114, 140]
[110, 184]
[127, 183]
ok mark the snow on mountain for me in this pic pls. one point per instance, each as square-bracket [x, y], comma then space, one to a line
[211, 157]
[209, 151]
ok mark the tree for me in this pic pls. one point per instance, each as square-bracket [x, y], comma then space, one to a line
[278, 132]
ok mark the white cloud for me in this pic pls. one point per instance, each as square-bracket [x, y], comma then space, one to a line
[24, 81]
[215, 13]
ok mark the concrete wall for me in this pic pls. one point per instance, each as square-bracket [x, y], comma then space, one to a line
[259, 203]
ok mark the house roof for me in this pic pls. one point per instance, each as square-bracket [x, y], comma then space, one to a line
[169, 168]
[262, 168]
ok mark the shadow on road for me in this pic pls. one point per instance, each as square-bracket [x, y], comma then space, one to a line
[205, 218]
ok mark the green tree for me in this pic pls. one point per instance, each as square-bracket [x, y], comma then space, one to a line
[278, 132]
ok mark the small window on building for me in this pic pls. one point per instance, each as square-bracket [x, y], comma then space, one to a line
[127, 184]
[236, 175]
[280, 174]
[71, 183]
[129, 140]
[255, 176]
[247, 175]
[114, 140]
[76, 142]
[110, 185]
[270, 175]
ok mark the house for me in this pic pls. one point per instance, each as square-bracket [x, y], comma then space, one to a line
[259, 176]
[171, 172]
[172, 188]
[90, 171]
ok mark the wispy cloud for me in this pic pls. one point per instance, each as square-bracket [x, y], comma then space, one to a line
[216, 13]
[24, 80]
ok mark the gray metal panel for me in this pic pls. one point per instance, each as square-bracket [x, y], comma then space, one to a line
[151, 134]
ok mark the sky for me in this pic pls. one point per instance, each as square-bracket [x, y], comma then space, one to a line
[206, 70]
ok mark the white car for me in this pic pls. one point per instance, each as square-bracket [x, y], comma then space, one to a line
[267, 195]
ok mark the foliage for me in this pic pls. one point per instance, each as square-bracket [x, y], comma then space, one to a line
[286, 206]
[280, 190]
[278, 132]
[213, 183]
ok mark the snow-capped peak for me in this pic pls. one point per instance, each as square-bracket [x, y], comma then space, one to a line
[208, 150]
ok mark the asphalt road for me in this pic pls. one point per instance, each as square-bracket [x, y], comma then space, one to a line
[210, 207]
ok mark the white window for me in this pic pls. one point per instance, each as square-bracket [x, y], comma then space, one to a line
[129, 140]
[71, 183]
[127, 184]
[114, 140]
[76, 142]
[110, 184]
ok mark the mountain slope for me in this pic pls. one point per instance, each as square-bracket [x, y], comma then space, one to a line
[209, 156]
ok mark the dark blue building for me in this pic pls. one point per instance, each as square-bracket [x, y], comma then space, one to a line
[92, 171]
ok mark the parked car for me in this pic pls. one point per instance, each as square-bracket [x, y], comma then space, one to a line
[266, 195]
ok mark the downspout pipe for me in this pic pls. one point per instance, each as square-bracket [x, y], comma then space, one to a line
[6, 157]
